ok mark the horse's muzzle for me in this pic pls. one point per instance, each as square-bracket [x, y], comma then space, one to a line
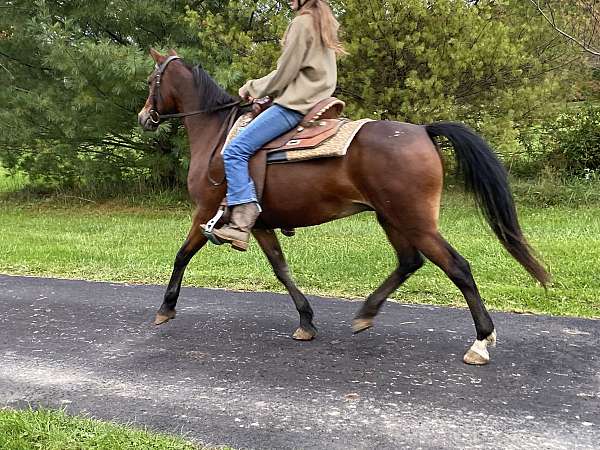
[148, 120]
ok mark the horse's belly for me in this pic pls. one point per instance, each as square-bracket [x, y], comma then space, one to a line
[310, 193]
[284, 217]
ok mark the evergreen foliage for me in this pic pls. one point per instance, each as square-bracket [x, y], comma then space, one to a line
[74, 73]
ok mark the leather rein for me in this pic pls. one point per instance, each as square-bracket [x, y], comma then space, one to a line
[156, 117]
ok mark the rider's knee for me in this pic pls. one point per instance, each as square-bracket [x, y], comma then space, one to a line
[234, 153]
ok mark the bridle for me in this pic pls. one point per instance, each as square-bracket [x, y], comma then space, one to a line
[156, 117]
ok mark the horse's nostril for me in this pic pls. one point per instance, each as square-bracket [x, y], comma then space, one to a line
[144, 121]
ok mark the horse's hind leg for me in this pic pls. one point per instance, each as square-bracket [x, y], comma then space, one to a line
[441, 253]
[194, 242]
[269, 243]
[409, 261]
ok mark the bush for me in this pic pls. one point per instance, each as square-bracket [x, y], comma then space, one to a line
[532, 159]
[576, 142]
[553, 189]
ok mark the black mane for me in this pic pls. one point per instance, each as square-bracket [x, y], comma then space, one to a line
[209, 92]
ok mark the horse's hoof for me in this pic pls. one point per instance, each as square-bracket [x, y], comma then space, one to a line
[164, 318]
[359, 325]
[478, 354]
[302, 335]
[475, 359]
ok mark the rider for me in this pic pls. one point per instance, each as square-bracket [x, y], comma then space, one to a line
[306, 73]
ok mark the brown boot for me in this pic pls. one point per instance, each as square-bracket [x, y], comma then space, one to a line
[237, 231]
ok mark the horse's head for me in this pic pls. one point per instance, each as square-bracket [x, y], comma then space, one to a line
[163, 87]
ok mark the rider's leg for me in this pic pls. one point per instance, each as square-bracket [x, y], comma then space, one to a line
[241, 193]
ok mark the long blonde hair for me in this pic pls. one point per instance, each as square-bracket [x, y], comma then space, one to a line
[325, 23]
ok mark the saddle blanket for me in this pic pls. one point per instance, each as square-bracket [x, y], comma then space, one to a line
[337, 145]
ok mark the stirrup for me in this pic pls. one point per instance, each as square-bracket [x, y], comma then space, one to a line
[207, 230]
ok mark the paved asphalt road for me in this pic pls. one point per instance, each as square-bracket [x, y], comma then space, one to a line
[227, 372]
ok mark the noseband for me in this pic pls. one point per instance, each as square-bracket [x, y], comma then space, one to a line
[156, 117]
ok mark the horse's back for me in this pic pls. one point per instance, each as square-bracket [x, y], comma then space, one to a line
[396, 150]
[385, 159]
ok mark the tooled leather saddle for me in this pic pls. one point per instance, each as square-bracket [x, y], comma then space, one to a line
[321, 123]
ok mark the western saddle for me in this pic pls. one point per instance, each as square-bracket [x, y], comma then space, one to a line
[322, 122]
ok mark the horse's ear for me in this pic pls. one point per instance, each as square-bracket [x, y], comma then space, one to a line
[172, 53]
[157, 57]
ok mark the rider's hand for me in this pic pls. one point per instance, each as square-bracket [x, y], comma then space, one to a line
[244, 94]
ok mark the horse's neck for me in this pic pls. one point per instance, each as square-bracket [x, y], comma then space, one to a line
[204, 134]
[205, 131]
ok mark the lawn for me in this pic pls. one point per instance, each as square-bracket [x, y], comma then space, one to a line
[11, 182]
[54, 430]
[118, 241]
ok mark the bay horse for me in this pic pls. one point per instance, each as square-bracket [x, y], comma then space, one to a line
[391, 168]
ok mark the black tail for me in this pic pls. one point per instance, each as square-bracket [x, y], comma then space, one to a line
[486, 178]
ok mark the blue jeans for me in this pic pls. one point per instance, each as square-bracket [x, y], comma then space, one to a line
[272, 123]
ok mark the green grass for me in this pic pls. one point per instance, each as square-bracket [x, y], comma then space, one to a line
[11, 183]
[349, 258]
[54, 430]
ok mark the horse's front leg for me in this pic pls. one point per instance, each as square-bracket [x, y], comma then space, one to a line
[267, 239]
[194, 242]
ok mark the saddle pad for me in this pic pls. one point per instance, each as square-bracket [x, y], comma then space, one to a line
[242, 122]
[337, 145]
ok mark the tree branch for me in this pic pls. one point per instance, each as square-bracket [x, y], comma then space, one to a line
[552, 21]
[46, 69]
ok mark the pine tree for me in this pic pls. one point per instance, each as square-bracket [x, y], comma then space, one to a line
[76, 73]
